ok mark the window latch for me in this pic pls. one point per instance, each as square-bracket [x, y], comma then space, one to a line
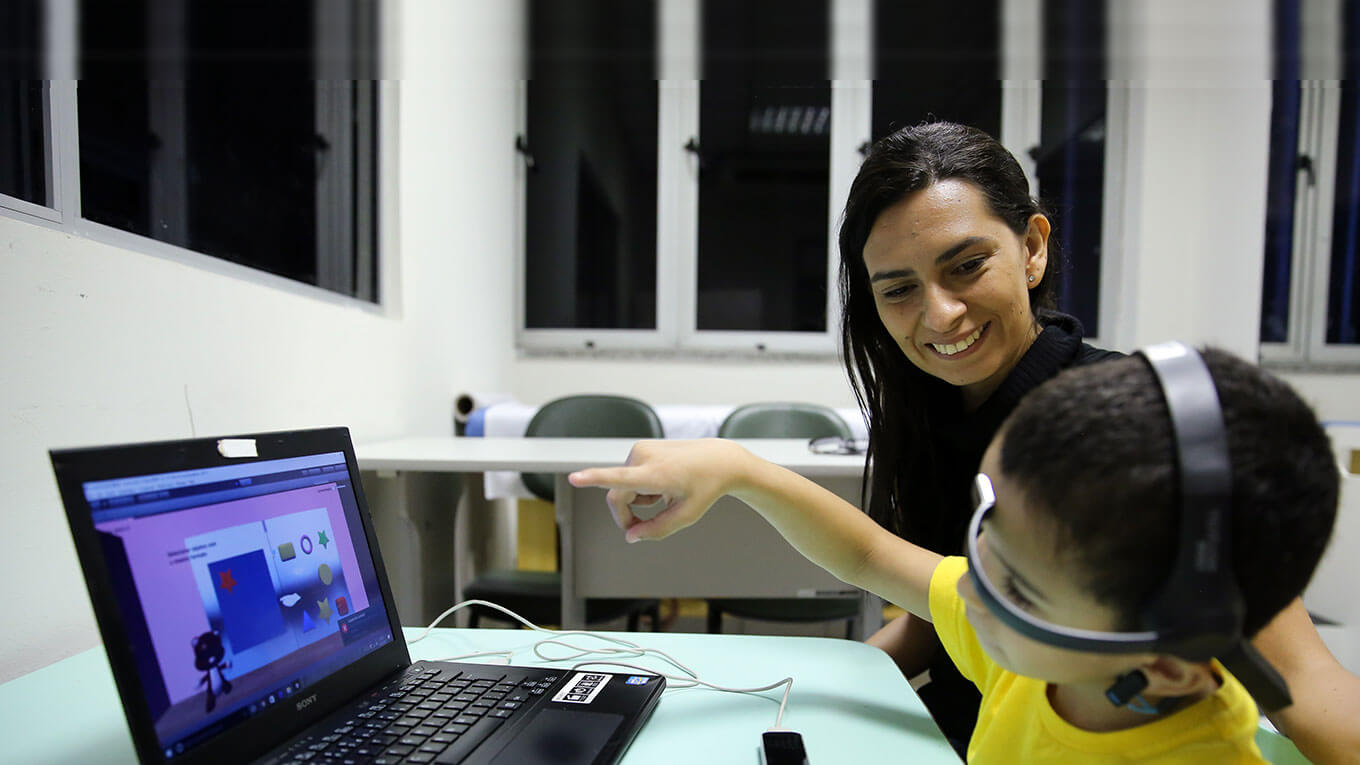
[522, 146]
[1306, 166]
[692, 146]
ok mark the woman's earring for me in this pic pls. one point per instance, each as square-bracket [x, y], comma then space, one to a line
[1031, 278]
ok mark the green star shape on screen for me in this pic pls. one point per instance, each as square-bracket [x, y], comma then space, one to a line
[323, 540]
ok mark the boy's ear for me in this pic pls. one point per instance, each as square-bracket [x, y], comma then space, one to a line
[1170, 676]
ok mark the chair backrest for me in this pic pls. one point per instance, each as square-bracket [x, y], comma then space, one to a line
[588, 416]
[1331, 592]
[783, 420]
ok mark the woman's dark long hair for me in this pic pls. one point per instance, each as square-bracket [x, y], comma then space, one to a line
[900, 486]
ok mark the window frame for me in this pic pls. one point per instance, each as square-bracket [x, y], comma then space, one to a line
[51, 160]
[63, 167]
[851, 34]
[841, 172]
[1305, 347]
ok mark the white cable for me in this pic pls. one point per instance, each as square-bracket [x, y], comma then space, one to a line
[508, 655]
[626, 649]
[467, 603]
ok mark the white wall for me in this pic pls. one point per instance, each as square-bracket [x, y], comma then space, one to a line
[106, 345]
[1197, 130]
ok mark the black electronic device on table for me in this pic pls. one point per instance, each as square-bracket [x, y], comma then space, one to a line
[782, 747]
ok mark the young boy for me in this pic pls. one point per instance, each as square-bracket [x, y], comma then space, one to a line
[1077, 532]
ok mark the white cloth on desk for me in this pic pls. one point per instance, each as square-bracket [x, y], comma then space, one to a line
[1331, 591]
[511, 418]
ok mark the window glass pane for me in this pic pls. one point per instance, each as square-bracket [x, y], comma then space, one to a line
[1280, 194]
[1282, 175]
[1343, 304]
[23, 133]
[250, 157]
[591, 148]
[937, 61]
[23, 141]
[1070, 158]
[764, 167]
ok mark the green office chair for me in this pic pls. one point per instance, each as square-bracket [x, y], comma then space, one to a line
[537, 595]
[784, 420]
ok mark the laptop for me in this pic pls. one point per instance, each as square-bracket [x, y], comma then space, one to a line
[246, 614]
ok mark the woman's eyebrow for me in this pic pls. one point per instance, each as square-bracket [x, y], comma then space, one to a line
[953, 250]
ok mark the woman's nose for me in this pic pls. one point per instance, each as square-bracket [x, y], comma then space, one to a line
[941, 309]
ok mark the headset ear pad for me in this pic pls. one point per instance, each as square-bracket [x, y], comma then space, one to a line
[1127, 687]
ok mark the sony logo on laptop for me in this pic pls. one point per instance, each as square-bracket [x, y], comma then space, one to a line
[301, 705]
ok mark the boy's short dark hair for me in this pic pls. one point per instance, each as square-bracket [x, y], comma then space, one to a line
[1093, 449]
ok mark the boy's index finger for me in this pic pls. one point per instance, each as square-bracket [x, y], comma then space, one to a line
[605, 478]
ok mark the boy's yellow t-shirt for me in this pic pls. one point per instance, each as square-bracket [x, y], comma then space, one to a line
[1016, 723]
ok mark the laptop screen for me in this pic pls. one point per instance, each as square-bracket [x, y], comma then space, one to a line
[240, 586]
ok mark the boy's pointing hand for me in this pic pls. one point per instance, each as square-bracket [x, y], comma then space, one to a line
[684, 477]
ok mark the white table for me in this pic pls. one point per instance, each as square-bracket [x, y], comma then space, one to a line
[733, 552]
[848, 700]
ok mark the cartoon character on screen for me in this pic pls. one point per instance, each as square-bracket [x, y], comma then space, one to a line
[209, 655]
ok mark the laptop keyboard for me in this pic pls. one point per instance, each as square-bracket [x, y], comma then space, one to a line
[428, 715]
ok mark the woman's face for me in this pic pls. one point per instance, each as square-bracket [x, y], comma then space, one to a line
[951, 280]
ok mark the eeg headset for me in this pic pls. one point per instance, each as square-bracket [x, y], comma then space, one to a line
[1198, 613]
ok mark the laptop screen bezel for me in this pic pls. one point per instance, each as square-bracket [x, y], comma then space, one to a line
[279, 722]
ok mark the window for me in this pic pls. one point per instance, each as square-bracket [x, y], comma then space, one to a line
[25, 156]
[590, 166]
[951, 72]
[245, 133]
[23, 139]
[721, 235]
[763, 151]
[1310, 301]
[1070, 158]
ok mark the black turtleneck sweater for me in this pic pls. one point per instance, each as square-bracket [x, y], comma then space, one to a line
[959, 438]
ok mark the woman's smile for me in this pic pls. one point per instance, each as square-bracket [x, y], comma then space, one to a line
[963, 348]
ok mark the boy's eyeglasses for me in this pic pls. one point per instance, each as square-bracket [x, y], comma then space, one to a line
[1032, 627]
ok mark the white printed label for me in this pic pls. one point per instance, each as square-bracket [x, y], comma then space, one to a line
[583, 688]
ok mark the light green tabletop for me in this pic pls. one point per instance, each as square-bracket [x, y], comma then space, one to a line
[849, 701]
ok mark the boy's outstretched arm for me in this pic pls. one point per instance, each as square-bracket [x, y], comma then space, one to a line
[687, 477]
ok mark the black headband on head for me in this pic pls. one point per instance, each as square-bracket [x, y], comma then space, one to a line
[1198, 613]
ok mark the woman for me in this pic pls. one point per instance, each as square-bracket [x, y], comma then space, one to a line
[947, 286]
[947, 281]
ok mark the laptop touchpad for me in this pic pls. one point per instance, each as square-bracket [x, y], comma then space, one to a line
[561, 737]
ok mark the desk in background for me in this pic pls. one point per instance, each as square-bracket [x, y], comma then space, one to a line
[732, 553]
[509, 419]
[848, 700]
